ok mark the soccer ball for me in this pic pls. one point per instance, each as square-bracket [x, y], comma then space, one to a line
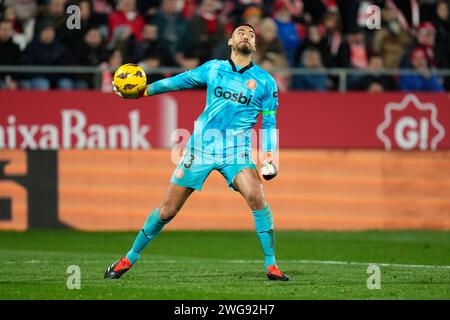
[130, 80]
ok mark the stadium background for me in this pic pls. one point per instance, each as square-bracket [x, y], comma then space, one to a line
[364, 124]
[334, 173]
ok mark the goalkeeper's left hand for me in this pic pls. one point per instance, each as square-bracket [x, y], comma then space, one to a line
[268, 169]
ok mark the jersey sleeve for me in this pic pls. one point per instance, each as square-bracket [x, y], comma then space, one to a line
[194, 78]
[269, 121]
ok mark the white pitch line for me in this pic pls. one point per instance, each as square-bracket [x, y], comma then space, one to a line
[328, 262]
[332, 262]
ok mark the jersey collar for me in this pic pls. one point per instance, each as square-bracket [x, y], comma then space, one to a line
[233, 66]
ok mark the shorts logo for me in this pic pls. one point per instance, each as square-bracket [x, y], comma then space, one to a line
[179, 174]
[251, 84]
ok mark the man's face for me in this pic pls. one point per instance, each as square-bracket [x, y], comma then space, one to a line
[127, 5]
[442, 10]
[47, 35]
[56, 8]
[6, 31]
[426, 37]
[150, 32]
[243, 40]
[419, 61]
[85, 10]
[93, 38]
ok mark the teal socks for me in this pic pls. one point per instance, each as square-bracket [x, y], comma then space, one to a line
[264, 229]
[263, 224]
[152, 227]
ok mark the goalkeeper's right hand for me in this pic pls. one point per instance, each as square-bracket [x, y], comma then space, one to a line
[144, 93]
[268, 169]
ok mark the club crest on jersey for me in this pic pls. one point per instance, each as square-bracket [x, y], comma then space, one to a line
[251, 84]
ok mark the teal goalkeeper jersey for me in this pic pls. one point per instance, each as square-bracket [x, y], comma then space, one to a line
[235, 98]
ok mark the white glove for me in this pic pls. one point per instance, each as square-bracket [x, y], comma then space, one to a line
[268, 170]
[115, 90]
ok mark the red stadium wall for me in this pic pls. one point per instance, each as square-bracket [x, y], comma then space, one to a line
[93, 120]
[348, 181]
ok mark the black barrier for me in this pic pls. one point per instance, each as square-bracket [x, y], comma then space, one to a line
[41, 183]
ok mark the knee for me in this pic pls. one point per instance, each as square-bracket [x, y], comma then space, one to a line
[167, 211]
[256, 200]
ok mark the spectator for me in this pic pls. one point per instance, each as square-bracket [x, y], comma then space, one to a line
[92, 52]
[374, 81]
[425, 80]
[19, 37]
[25, 13]
[172, 28]
[74, 38]
[9, 54]
[235, 9]
[53, 13]
[25, 10]
[407, 11]
[151, 46]
[391, 40]
[205, 30]
[101, 9]
[282, 80]
[353, 53]
[425, 40]
[114, 61]
[148, 8]
[10, 14]
[311, 60]
[189, 60]
[127, 15]
[442, 25]
[287, 31]
[314, 10]
[124, 40]
[332, 32]
[269, 46]
[46, 50]
[314, 40]
[149, 63]
[253, 16]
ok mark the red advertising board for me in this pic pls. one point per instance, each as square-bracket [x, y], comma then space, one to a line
[94, 120]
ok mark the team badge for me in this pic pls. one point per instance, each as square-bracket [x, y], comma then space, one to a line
[251, 84]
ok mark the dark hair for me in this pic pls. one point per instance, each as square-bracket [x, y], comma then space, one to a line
[5, 21]
[244, 24]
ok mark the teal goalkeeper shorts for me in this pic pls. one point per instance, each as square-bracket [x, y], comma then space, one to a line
[195, 167]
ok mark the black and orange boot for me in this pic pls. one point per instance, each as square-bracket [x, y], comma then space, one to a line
[118, 268]
[273, 273]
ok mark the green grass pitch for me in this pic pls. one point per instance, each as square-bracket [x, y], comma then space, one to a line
[227, 265]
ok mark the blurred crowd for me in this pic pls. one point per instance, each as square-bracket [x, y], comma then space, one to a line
[312, 35]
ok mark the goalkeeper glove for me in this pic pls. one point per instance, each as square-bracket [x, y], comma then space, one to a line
[144, 93]
[268, 169]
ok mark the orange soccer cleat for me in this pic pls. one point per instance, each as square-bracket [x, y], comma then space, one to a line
[118, 268]
[275, 274]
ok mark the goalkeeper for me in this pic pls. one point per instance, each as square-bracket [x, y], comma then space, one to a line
[237, 92]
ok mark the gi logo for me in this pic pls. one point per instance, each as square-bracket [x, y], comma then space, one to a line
[410, 125]
[251, 84]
